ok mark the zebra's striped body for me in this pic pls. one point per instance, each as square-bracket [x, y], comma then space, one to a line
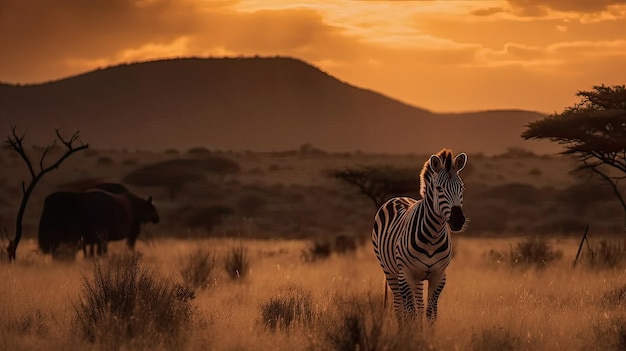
[411, 237]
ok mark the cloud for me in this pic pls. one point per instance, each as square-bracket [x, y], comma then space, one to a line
[541, 7]
[487, 11]
[38, 33]
[67, 35]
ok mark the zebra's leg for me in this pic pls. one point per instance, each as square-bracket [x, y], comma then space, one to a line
[392, 283]
[435, 286]
[406, 296]
[419, 298]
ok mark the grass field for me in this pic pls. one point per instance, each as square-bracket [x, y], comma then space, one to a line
[282, 204]
[486, 305]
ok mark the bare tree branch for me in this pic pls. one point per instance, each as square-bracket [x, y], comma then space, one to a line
[15, 141]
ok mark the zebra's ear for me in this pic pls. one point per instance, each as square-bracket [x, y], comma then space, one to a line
[435, 163]
[460, 161]
[150, 199]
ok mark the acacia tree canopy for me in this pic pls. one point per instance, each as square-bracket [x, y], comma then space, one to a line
[380, 183]
[594, 132]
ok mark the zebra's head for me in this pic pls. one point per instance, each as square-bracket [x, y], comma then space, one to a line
[441, 183]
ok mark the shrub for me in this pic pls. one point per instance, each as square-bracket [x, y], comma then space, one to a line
[237, 262]
[610, 333]
[128, 304]
[293, 305]
[317, 249]
[496, 339]
[616, 296]
[358, 322]
[535, 251]
[605, 254]
[535, 172]
[198, 268]
[172, 152]
[344, 244]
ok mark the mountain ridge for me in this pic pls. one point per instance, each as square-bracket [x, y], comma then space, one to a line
[258, 104]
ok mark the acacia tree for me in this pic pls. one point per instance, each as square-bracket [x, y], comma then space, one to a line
[379, 183]
[594, 132]
[15, 142]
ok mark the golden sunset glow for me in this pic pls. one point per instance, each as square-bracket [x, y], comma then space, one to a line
[439, 55]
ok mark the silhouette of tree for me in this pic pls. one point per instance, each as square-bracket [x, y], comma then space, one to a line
[380, 183]
[15, 142]
[594, 132]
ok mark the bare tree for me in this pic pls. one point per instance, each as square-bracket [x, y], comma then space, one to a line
[15, 141]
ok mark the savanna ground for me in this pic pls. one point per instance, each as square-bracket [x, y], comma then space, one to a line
[281, 205]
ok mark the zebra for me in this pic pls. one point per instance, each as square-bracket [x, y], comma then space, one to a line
[411, 238]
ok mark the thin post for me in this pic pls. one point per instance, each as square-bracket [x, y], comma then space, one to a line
[581, 243]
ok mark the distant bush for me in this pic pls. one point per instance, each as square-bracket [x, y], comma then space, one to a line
[535, 172]
[104, 161]
[91, 153]
[517, 152]
[130, 162]
[199, 150]
[309, 150]
[516, 194]
[175, 174]
[487, 218]
[345, 244]
[251, 204]
[293, 305]
[198, 268]
[605, 254]
[237, 262]
[128, 304]
[530, 252]
[172, 152]
[562, 224]
[208, 217]
[316, 250]
[584, 194]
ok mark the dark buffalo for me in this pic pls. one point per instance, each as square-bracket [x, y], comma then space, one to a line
[93, 217]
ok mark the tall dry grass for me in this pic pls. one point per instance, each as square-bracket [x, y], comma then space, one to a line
[336, 303]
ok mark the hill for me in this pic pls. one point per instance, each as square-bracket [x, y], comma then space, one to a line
[260, 104]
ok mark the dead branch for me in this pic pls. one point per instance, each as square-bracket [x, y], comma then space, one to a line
[15, 141]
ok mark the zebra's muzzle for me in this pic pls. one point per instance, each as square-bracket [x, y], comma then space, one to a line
[457, 219]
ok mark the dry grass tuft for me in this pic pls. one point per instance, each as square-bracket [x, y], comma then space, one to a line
[198, 268]
[496, 339]
[294, 305]
[126, 303]
[237, 262]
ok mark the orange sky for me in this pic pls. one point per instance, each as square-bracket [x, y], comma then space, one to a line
[440, 55]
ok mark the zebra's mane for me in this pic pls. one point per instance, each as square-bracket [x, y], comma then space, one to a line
[427, 171]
